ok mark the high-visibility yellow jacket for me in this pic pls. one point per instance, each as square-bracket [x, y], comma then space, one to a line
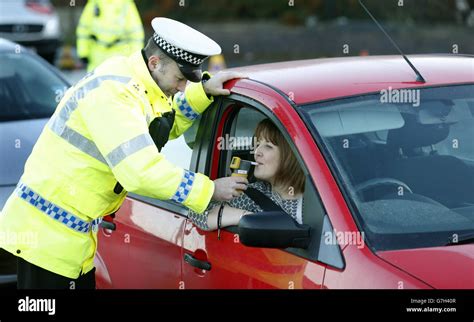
[97, 136]
[108, 28]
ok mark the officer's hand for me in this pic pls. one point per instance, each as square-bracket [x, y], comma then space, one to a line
[228, 188]
[214, 86]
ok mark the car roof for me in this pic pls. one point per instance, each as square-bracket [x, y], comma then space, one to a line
[10, 46]
[7, 45]
[322, 79]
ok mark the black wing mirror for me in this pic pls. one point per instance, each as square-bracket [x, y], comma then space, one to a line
[273, 229]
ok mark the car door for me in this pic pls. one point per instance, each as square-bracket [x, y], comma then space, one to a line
[209, 262]
[145, 249]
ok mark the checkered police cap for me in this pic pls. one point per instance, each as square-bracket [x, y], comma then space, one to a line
[178, 54]
[185, 45]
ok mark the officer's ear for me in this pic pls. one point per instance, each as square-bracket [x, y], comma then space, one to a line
[153, 62]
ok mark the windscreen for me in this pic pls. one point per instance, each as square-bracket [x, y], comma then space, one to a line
[405, 159]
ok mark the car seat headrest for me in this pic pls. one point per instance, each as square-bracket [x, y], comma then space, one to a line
[414, 135]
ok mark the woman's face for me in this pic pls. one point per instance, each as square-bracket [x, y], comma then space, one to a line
[267, 155]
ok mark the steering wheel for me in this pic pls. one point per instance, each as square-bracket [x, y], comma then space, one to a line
[376, 182]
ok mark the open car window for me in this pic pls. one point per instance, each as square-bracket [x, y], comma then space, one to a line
[242, 127]
[240, 141]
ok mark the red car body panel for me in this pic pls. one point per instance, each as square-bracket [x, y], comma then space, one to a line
[161, 238]
[455, 264]
[236, 266]
[145, 250]
[365, 271]
[323, 79]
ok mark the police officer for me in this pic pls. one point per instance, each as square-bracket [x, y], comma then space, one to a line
[103, 141]
[108, 28]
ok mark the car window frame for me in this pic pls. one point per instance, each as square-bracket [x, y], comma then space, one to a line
[332, 253]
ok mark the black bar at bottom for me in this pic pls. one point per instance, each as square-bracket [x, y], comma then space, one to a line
[290, 305]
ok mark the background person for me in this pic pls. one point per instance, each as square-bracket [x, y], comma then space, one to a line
[108, 28]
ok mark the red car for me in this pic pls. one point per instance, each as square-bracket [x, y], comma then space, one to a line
[389, 195]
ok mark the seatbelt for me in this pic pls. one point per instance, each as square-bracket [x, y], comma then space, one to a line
[262, 200]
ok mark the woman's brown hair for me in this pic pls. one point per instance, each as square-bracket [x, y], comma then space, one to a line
[289, 172]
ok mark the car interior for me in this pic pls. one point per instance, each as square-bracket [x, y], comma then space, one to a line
[242, 129]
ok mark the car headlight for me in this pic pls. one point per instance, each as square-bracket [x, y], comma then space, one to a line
[52, 28]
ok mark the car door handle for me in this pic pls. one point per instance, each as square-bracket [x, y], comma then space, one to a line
[188, 258]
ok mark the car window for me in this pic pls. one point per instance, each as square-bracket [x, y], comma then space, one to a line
[246, 121]
[242, 128]
[461, 132]
[29, 89]
[240, 141]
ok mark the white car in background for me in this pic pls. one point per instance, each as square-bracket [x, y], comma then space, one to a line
[31, 23]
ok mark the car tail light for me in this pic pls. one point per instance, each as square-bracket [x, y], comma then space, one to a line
[40, 6]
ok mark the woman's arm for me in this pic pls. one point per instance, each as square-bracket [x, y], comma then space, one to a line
[230, 217]
[231, 214]
[208, 219]
[200, 220]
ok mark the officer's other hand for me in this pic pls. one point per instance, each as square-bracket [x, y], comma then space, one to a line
[215, 85]
[229, 187]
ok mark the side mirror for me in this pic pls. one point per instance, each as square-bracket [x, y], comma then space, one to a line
[273, 229]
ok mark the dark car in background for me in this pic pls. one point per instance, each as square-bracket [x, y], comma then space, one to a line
[29, 91]
[33, 24]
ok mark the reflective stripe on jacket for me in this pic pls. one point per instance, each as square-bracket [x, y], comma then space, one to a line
[98, 136]
[108, 28]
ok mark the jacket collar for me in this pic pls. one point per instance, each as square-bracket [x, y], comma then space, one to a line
[153, 92]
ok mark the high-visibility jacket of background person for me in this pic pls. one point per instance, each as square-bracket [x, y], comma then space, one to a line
[108, 28]
[99, 136]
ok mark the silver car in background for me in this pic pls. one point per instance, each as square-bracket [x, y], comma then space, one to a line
[30, 89]
[32, 23]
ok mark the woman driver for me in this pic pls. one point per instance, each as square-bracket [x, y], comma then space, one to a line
[278, 175]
